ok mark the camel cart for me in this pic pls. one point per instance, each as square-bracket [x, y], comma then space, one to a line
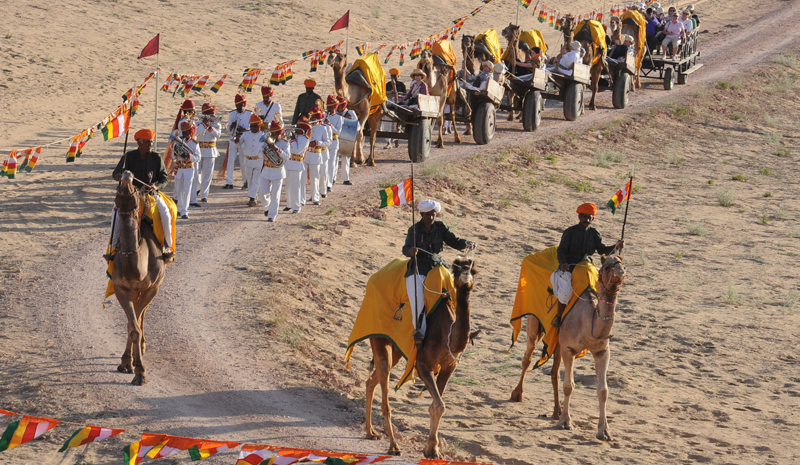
[619, 81]
[667, 70]
[417, 122]
[529, 88]
[483, 104]
[567, 89]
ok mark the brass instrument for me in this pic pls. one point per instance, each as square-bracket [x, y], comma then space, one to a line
[180, 150]
[206, 119]
[271, 154]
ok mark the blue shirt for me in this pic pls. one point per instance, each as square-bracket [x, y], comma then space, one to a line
[651, 25]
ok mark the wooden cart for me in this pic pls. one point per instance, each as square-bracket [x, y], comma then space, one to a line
[669, 71]
[529, 88]
[417, 123]
[483, 117]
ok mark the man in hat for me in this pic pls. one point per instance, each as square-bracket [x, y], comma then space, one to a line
[250, 146]
[394, 88]
[295, 181]
[305, 101]
[345, 157]
[208, 132]
[417, 87]
[147, 167]
[185, 168]
[268, 108]
[618, 53]
[320, 139]
[238, 123]
[567, 62]
[335, 121]
[424, 241]
[272, 175]
[578, 244]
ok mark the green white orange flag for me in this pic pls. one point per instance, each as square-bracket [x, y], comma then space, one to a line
[254, 454]
[117, 126]
[208, 448]
[400, 194]
[622, 195]
[27, 429]
[89, 434]
[135, 452]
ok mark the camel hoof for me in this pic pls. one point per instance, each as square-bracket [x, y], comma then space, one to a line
[566, 425]
[434, 454]
[139, 380]
[124, 369]
[516, 396]
[373, 435]
[458, 141]
[371, 163]
[604, 435]
[394, 450]
[467, 133]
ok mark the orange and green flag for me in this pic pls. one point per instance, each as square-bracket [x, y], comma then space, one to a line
[400, 194]
[27, 429]
[89, 434]
[208, 448]
[622, 195]
[134, 453]
[117, 126]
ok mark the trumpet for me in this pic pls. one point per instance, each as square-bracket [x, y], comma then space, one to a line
[205, 119]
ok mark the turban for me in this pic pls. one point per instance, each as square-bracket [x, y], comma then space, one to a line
[186, 126]
[332, 101]
[310, 83]
[267, 91]
[207, 107]
[304, 126]
[575, 45]
[145, 134]
[588, 209]
[316, 114]
[394, 72]
[187, 105]
[254, 118]
[276, 126]
[429, 205]
[240, 99]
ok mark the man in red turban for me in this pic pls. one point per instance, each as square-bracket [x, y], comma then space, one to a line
[268, 109]
[238, 124]
[578, 244]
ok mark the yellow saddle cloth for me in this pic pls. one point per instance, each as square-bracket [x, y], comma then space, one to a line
[150, 215]
[372, 69]
[534, 295]
[386, 309]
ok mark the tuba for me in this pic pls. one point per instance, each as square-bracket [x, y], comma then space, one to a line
[181, 150]
[271, 155]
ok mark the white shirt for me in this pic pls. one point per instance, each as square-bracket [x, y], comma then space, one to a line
[250, 146]
[565, 66]
[267, 112]
[209, 134]
[320, 134]
[274, 174]
[297, 148]
[336, 121]
[195, 151]
[688, 25]
[242, 120]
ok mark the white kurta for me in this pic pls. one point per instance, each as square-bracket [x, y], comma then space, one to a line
[267, 112]
[242, 120]
[315, 158]
[271, 181]
[349, 114]
[208, 134]
[336, 121]
[250, 147]
[294, 172]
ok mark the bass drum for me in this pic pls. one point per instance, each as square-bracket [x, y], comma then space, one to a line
[347, 138]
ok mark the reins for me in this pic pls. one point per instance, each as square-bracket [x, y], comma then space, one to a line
[134, 211]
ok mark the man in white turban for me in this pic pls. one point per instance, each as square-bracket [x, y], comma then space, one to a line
[427, 237]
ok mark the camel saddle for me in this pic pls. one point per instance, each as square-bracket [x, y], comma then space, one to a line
[357, 77]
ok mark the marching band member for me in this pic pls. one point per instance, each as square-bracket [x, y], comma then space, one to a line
[335, 121]
[238, 122]
[250, 147]
[185, 114]
[349, 114]
[272, 176]
[267, 108]
[316, 152]
[185, 168]
[295, 181]
[207, 134]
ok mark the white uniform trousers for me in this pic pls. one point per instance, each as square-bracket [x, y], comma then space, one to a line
[323, 173]
[295, 184]
[251, 174]
[345, 168]
[206, 175]
[314, 181]
[333, 162]
[181, 191]
[166, 223]
[195, 182]
[234, 154]
[417, 305]
[270, 192]
[303, 184]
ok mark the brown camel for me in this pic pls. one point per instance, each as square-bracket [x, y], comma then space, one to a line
[137, 275]
[439, 79]
[592, 50]
[511, 34]
[629, 27]
[358, 101]
[586, 326]
[616, 31]
[446, 338]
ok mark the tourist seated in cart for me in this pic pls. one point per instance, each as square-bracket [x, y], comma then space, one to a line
[651, 28]
[418, 87]
[480, 81]
[538, 59]
[619, 53]
[674, 31]
[567, 61]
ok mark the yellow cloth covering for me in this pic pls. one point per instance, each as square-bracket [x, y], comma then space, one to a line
[533, 38]
[444, 50]
[370, 65]
[534, 297]
[598, 36]
[641, 40]
[386, 292]
[490, 40]
[150, 214]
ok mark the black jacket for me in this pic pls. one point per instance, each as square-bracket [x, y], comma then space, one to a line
[432, 242]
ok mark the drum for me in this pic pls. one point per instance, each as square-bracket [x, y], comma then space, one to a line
[347, 138]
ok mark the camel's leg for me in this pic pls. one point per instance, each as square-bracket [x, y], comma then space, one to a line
[380, 353]
[126, 362]
[532, 339]
[140, 308]
[554, 379]
[440, 120]
[511, 104]
[358, 158]
[386, 409]
[373, 135]
[456, 137]
[141, 325]
[595, 87]
[436, 411]
[601, 360]
[569, 385]
[125, 299]
[638, 81]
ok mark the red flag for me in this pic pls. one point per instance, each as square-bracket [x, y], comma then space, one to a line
[151, 48]
[344, 22]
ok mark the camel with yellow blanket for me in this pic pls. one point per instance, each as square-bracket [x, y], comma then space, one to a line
[439, 65]
[385, 318]
[586, 324]
[592, 37]
[634, 25]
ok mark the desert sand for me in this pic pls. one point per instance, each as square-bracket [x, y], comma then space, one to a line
[247, 336]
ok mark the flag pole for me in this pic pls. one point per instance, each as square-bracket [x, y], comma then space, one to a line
[347, 42]
[627, 204]
[518, 2]
[417, 324]
[155, 123]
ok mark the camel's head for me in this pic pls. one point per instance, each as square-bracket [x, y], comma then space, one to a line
[567, 24]
[467, 43]
[614, 23]
[426, 61]
[126, 199]
[511, 33]
[337, 60]
[463, 270]
[612, 273]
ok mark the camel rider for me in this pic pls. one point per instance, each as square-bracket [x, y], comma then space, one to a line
[578, 244]
[431, 236]
[305, 102]
[147, 168]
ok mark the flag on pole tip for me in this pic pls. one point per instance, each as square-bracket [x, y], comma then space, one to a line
[399, 194]
[342, 23]
[151, 48]
[622, 195]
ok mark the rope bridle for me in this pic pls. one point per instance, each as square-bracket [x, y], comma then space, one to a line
[610, 289]
[134, 211]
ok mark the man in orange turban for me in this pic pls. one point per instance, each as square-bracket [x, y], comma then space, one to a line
[305, 101]
[578, 244]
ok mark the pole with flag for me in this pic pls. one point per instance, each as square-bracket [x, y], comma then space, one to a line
[518, 3]
[627, 203]
[152, 48]
[343, 23]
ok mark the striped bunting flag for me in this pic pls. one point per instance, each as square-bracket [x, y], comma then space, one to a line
[117, 126]
[208, 448]
[27, 429]
[10, 166]
[6, 413]
[134, 453]
[399, 194]
[89, 434]
[171, 445]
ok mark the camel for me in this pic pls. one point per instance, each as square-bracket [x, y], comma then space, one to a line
[358, 101]
[633, 31]
[568, 26]
[586, 326]
[445, 340]
[137, 275]
[439, 78]
[471, 54]
[511, 34]
[616, 32]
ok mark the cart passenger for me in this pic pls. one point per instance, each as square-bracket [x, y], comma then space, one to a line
[674, 30]
[417, 87]
[567, 62]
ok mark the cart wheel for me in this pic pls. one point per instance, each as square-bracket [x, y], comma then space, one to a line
[621, 93]
[683, 78]
[669, 78]
[573, 101]
[419, 140]
[532, 111]
[484, 123]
